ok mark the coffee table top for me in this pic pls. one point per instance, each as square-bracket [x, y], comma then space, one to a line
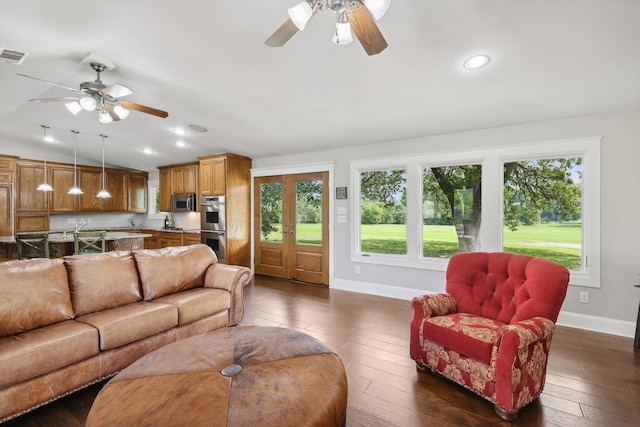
[241, 376]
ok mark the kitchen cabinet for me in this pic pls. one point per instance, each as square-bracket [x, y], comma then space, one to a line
[91, 182]
[190, 238]
[185, 179]
[230, 175]
[212, 176]
[116, 183]
[7, 172]
[177, 179]
[138, 192]
[169, 238]
[29, 175]
[165, 189]
[62, 181]
[151, 242]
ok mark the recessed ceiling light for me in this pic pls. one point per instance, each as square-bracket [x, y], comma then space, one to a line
[179, 131]
[476, 62]
[49, 138]
[181, 144]
[147, 151]
[198, 128]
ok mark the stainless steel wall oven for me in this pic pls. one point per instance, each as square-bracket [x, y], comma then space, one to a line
[212, 224]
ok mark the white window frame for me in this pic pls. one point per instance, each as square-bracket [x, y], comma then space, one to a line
[492, 161]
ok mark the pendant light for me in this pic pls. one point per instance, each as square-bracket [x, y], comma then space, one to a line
[75, 189]
[103, 194]
[45, 185]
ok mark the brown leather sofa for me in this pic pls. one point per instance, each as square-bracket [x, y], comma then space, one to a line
[71, 322]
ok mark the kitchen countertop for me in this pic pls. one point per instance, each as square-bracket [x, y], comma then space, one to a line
[60, 237]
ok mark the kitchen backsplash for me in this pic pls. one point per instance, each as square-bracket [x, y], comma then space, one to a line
[184, 220]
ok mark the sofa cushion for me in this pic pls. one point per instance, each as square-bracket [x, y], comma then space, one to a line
[103, 280]
[128, 323]
[169, 270]
[33, 293]
[196, 304]
[45, 350]
[468, 334]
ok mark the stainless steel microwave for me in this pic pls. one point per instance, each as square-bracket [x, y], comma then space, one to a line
[183, 203]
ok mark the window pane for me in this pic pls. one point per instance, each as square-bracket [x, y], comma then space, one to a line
[451, 210]
[543, 209]
[383, 212]
[271, 212]
[309, 212]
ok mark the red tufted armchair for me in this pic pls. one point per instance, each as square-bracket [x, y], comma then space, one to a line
[492, 330]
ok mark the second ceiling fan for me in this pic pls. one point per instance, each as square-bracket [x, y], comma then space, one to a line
[356, 15]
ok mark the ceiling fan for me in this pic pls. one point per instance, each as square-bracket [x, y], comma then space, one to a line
[97, 96]
[356, 15]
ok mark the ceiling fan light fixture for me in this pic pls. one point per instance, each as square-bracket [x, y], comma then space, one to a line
[300, 14]
[73, 107]
[88, 103]
[343, 30]
[377, 7]
[105, 117]
[121, 112]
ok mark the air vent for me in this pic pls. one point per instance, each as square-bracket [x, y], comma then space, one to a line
[12, 56]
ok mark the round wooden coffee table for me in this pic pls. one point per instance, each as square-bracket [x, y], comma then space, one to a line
[242, 376]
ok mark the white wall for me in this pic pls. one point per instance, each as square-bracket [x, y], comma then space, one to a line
[613, 307]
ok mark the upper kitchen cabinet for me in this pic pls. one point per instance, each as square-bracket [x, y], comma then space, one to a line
[213, 175]
[117, 184]
[7, 174]
[90, 183]
[62, 181]
[29, 175]
[138, 191]
[177, 179]
[165, 189]
[185, 179]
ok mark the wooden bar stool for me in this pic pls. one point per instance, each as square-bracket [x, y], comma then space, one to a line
[32, 245]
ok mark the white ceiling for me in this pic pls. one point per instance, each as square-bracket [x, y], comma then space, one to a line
[205, 62]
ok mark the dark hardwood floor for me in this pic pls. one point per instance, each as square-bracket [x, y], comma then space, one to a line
[593, 379]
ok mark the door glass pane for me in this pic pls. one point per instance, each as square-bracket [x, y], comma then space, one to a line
[451, 210]
[271, 212]
[543, 209]
[309, 212]
[383, 212]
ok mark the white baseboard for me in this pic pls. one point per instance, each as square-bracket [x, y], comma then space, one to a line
[573, 320]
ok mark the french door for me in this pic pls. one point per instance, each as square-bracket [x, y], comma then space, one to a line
[291, 231]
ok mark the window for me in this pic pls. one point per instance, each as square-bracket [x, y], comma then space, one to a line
[540, 199]
[154, 202]
[451, 210]
[542, 213]
[383, 212]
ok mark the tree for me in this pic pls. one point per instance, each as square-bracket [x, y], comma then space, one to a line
[270, 208]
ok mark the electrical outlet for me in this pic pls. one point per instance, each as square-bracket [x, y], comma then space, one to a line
[584, 297]
[357, 269]
[88, 220]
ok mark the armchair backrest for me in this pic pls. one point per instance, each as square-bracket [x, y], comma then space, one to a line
[507, 287]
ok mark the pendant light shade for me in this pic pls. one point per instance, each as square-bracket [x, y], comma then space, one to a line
[45, 185]
[103, 193]
[75, 190]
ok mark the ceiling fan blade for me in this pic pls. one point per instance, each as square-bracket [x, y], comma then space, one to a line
[145, 109]
[66, 99]
[282, 34]
[112, 113]
[116, 91]
[365, 28]
[51, 83]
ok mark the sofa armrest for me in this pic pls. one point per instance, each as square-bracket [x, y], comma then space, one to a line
[231, 278]
[426, 306]
[521, 363]
[434, 305]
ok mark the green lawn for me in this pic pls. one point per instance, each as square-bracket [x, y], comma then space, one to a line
[559, 242]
